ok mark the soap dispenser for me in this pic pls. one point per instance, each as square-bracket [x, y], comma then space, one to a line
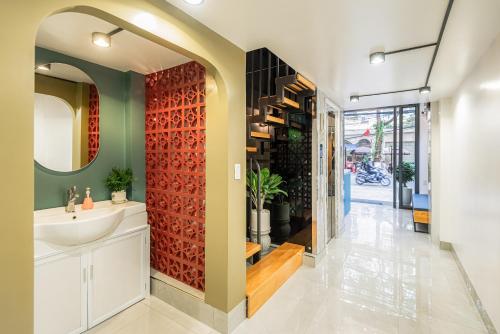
[88, 204]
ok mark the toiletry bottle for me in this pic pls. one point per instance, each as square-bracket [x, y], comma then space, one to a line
[88, 204]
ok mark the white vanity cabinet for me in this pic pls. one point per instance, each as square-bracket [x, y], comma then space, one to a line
[78, 287]
[61, 294]
[116, 276]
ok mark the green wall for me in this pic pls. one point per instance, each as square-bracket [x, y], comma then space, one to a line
[121, 98]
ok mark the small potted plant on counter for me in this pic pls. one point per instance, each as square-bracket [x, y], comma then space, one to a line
[118, 182]
[407, 175]
[270, 187]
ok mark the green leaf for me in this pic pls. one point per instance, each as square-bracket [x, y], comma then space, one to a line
[270, 185]
[119, 179]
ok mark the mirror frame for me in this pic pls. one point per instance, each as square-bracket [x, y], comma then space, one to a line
[79, 170]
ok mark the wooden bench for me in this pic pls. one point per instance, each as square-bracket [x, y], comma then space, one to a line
[420, 211]
[266, 276]
[252, 249]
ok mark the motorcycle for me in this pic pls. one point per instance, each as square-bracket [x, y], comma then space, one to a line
[376, 176]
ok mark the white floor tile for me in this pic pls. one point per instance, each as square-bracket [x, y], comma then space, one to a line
[378, 277]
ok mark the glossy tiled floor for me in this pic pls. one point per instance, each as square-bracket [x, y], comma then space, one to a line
[379, 277]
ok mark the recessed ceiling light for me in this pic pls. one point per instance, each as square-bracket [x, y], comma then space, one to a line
[354, 98]
[101, 39]
[425, 90]
[377, 58]
[43, 67]
[194, 2]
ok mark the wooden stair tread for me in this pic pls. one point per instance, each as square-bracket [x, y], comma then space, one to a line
[252, 249]
[263, 135]
[273, 119]
[305, 82]
[266, 119]
[267, 276]
[286, 102]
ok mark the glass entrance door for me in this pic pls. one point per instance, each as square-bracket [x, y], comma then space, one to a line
[378, 141]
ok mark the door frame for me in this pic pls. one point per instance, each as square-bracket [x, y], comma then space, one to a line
[397, 151]
[398, 141]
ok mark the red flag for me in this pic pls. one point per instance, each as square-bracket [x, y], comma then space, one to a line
[366, 133]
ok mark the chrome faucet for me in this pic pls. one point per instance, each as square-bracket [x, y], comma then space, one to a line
[71, 199]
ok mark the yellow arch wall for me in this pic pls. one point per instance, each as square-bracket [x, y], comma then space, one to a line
[225, 216]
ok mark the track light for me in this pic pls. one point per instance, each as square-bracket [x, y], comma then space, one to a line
[377, 58]
[424, 90]
[43, 67]
[354, 98]
[101, 39]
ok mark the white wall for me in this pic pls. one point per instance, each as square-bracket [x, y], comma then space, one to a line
[423, 151]
[53, 133]
[469, 177]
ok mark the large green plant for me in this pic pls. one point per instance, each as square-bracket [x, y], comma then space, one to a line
[269, 185]
[407, 172]
[119, 179]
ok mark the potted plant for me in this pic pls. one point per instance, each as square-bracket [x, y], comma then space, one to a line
[117, 182]
[407, 175]
[270, 187]
[280, 219]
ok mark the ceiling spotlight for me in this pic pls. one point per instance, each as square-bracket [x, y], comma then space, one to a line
[43, 67]
[424, 90]
[101, 39]
[194, 2]
[377, 58]
[354, 98]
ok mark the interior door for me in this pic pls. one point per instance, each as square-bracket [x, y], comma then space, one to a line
[116, 276]
[61, 294]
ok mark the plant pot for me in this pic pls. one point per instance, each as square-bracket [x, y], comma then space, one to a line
[406, 200]
[265, 229]
[280, 222]
[118, 197]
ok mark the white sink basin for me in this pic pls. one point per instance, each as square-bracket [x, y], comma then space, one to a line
[70, 229]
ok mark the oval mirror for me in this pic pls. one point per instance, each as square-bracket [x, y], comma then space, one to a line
[66, 117]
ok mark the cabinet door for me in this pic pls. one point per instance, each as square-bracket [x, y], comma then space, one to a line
[116, 276]
[61, 294]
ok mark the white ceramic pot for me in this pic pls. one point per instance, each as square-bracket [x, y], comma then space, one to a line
[118, 197]
[407, 192]
[265, 229]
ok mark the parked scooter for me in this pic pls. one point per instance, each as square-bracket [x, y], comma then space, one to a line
[374, 176]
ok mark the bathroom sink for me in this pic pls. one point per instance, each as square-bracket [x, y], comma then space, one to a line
[70, 229]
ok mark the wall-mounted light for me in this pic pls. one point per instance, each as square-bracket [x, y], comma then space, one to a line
[424, 90]
[101, 39]
[43, 67]
[354, 98]
[377, 58]
[194, 2]
[490, 85]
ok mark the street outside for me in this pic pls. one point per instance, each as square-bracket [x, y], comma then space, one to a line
[373, 192]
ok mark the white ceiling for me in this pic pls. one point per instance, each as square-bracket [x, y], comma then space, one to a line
[329, 41]
[71, 34]
[66, 72]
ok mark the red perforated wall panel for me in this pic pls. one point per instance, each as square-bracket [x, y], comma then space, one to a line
[175, 171]
[93, 128]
